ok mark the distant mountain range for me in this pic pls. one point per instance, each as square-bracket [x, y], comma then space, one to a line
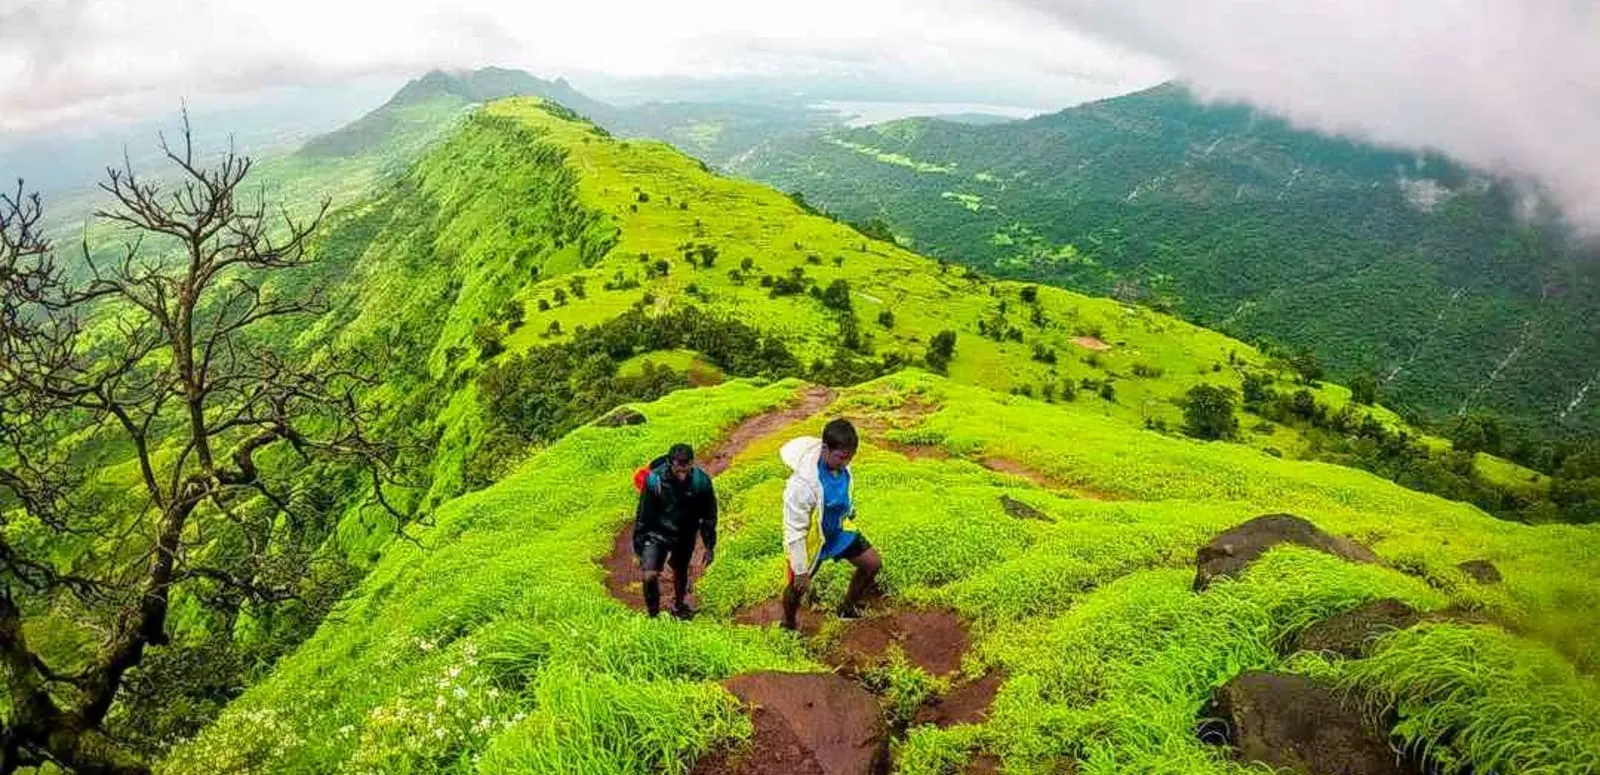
[1397, 264]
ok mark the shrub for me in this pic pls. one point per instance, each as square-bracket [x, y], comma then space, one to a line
[941, 349]
[1208, 413]
[837, 296]
[1364, 389]
[487, 338]
[886, 318]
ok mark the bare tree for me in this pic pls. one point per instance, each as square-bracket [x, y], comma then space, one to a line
[158, 352]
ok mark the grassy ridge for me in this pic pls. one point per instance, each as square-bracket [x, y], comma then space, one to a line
[493, 647]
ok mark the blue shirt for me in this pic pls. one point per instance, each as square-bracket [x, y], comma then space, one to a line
[836, 510]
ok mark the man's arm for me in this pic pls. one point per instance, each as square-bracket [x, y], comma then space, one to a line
[798, 502]
[708, 516]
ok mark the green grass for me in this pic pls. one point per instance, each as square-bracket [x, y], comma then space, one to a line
[1111, 656]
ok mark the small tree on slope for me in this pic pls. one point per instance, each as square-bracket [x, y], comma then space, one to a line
[1208, 413]
[160, 354]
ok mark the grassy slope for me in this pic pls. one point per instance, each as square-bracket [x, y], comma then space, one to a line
[492, 646]
[743, 219]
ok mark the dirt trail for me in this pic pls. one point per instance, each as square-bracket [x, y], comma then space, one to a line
[816, 724]
[622, 569]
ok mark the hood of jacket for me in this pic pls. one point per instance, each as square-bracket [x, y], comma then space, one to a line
[802, 456]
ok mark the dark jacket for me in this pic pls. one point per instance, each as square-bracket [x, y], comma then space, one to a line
[672, 512]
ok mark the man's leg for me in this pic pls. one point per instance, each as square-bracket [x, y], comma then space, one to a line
[793, 592]
[650, 562]
[682, 556]
[867, 566]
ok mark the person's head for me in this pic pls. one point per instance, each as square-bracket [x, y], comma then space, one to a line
[839, 443]
[680, 461]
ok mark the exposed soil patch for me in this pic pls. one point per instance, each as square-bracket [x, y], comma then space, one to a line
[1092, 343]
[703, 377]
[1289, 722]
[1481, 571]
[771, 612]
[623, 578]
[967, 703]
[1352, 633]
[933, 640]
[1231, 552]
[805, 723]
[1014, 468]
[1022, 510]
[910, 412]
[982, 764]
[915, 451]
[1002, 465]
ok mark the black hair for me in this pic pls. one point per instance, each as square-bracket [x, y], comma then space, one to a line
[681, 453]
[840, 434]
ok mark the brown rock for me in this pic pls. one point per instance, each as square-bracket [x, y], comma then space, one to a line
[1351, 633]
[620, 417]
[1289, 722]
[1231, 552]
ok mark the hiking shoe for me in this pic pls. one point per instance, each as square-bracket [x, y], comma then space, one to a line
[850, 611]
[682, 611]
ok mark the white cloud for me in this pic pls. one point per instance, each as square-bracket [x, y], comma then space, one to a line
[70, 59]
[1512, 87]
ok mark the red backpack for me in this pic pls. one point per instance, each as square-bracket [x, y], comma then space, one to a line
[641, 476]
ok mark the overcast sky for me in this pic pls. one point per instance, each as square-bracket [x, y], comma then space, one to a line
[1509, 86]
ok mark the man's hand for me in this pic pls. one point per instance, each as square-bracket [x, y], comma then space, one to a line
[800, 582]
[705, 559]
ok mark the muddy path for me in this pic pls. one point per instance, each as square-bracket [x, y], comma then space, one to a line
[623, 579]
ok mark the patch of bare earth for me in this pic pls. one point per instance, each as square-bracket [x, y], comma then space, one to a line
[1091, 343]
[934, 640]
[805, 724]
[982, 764]
[967, 703]
[1042, 480]
[623, 579]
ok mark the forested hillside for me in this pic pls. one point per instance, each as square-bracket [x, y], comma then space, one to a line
[1384, 263]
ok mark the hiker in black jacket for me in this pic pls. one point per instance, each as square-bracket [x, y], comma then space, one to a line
[676, 501]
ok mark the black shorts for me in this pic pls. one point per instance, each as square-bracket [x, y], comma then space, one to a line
[655, 555]
[856, 548]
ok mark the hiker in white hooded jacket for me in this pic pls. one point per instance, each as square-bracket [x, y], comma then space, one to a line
[820, 489]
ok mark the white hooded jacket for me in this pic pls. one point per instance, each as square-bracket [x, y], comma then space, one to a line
[801, 498]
